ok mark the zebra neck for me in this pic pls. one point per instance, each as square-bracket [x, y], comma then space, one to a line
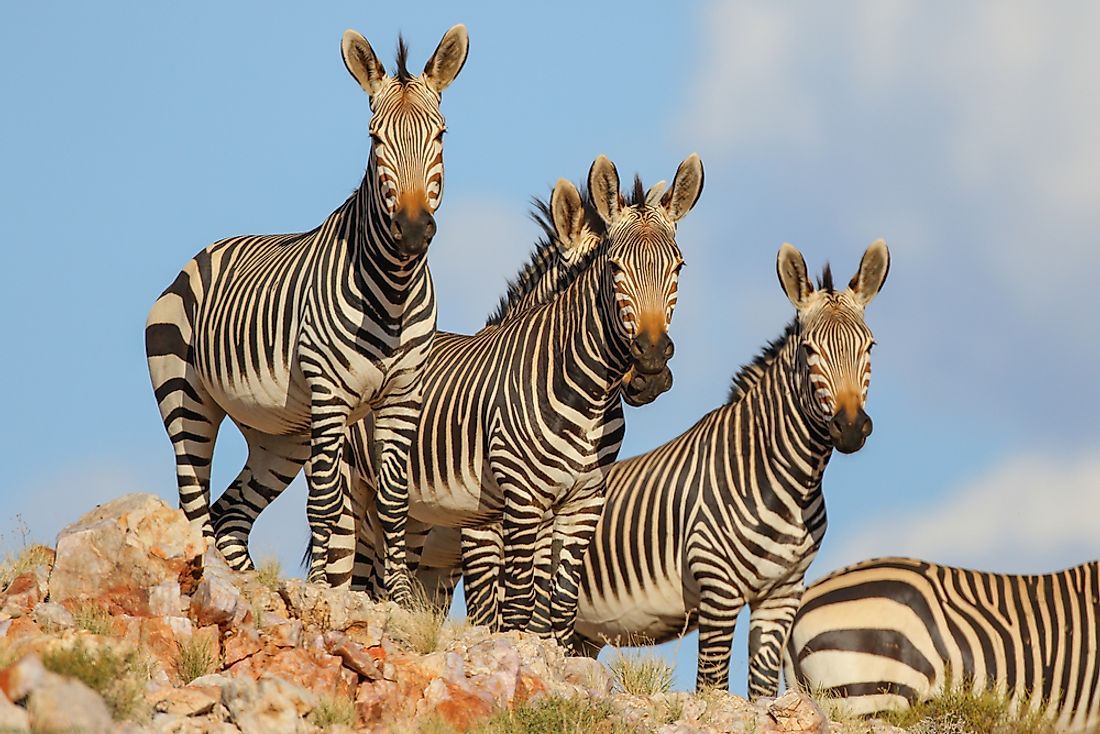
[367, 228]
[591, 332]
[791, 439]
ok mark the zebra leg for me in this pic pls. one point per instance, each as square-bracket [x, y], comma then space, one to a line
[395, 425]
[769, 624]
[573, 530]
[191, 417]
[273, 462]
[546, 561]
[719, 605]
[482, 559]
[522, 519]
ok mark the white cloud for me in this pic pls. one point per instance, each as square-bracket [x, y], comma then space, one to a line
[1030, 513]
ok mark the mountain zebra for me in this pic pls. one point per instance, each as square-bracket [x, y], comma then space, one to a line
[731, 511]
[887, 632]
[294, 336]
[522, 419]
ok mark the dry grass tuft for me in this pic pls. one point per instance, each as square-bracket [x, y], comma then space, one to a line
[19, 564]
[419, 624]
[333, 710]
[119, 676]
[269, 574]
[92, 618]
[640, 673]
[963, 711]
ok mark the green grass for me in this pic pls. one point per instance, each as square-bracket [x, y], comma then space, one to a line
[556, 716]
[333, 710]
[641, 674]
[961, 711]
[196, 658]
[119, 676]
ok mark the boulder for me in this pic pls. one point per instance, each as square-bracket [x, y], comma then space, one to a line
[59, 704]
[120, 554]
[268, 705]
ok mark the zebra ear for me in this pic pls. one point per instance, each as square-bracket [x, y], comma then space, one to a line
[603, 188]
[874, 266]
[653, 196]
[686, 188]
[361, 62]
[791, 267]
[448, 59]
[568, 214]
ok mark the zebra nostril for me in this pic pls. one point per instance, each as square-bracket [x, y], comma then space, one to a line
[429, 231]
[670, 349]
[637, 351]
[395, 229]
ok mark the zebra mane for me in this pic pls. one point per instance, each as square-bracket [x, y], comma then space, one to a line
[751, 373]
[403, 74]
[637, 196]
[825, 281]
[544, 257]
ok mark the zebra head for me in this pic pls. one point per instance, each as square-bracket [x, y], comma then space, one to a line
[406, 131]
[645, 264]
[834, 343]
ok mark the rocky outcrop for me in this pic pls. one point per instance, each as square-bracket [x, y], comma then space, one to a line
[135, 626]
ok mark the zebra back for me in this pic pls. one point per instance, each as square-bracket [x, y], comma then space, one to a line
[886, 632]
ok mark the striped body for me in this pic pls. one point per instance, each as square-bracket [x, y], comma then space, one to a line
[887, 632]
[295, 336]
[731, 512]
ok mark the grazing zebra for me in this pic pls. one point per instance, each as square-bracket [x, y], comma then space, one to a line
[731, 511]
[295, 336]
[522, 419]
[888, 632]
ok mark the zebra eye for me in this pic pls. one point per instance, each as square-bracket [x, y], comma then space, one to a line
[439, 135]
[811, 350]
[871, 345]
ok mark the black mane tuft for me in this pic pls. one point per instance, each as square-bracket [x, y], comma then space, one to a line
[825, 282]
[637, 196]
[403, 74]
[751, 373]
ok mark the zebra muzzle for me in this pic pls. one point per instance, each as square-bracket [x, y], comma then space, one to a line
[641, 388]
[412, 233]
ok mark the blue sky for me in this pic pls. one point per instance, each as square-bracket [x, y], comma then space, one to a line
[966, 135]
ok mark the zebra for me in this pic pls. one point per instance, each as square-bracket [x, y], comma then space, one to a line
[295, 336]
[732, 511]
[884, 633]
[522, 419]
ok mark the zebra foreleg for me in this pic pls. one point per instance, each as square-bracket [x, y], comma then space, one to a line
[719, 605]
[769, 625]
[521, 525]
[482, 560]
[573, 530]
[395, 424]
[273, 462]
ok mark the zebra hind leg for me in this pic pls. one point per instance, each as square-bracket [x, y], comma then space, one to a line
[190, 415]
[719, 606]
[482, 558]
[272, 464]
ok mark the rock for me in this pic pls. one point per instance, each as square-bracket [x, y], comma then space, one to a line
[60, 704]
[268, 705]
[354, 655]
[13, 719]
[217, 601]
[20, 679]
[121, 550]
[187, 701]
[459, 703]
[281, 632]
[164, 599]
[50, 616]
[588, 674]
[25, 592]
[243, 644]
[794, 711]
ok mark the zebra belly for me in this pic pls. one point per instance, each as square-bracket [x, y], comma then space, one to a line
[656, 610]
[453, 505]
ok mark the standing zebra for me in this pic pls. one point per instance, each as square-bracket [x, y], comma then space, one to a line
[522, 420]
[295, 336]
[888, 632]
[731, 511]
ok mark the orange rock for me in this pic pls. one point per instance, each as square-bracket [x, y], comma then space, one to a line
[243, 644]
[461, 708]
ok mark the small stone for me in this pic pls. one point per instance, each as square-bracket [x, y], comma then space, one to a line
[281, 632]
[50, 616]
[216, 601]
[794, 711]
[243, 644]
[13, 718]
[268, 705]
[187, 701]
[24, 592]
[354, 655]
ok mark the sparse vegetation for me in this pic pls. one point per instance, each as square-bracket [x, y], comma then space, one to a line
[419, 623]
[92, 618]
[333, 710]
[118, 675]
[961, 711]
[17, 564]
[641, 674]
[196, 658]
[269, 574]
[557, 716]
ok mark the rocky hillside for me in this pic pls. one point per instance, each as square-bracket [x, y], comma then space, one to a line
[132, 625]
